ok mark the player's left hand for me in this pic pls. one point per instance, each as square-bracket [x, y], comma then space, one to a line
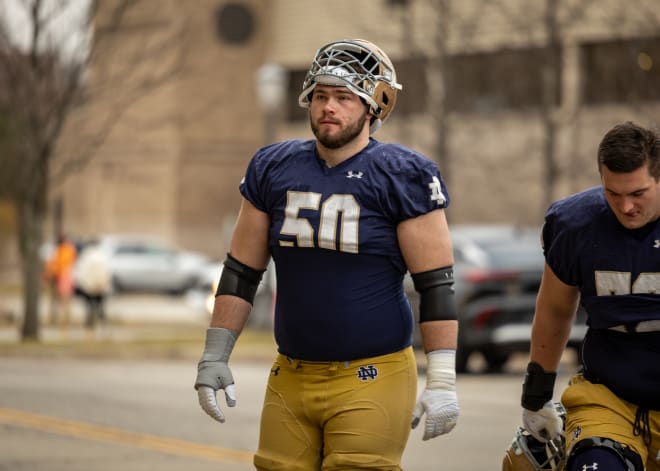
[438, 400]
[441, 408]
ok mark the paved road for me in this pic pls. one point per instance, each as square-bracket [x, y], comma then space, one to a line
[73, 414]
[130, 405]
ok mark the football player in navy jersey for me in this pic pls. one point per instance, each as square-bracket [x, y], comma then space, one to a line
[343, 217]
[602, 249]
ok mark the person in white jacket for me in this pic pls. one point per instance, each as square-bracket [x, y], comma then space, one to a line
[95, 283]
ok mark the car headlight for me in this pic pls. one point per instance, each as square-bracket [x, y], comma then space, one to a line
[210, 299]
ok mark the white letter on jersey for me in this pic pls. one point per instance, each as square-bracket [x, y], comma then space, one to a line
[436, 191]
[348, 230]
[295, 226]
[609, 283]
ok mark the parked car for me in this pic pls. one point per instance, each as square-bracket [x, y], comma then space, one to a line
[146, 263]
[261, 316]
[497, 271]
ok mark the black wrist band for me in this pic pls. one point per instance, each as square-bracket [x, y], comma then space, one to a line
[538, 387]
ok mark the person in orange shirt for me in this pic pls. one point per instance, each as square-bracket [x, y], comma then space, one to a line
[59, 272]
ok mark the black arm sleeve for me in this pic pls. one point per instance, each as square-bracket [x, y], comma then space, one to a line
[436, 290]
[238, 279]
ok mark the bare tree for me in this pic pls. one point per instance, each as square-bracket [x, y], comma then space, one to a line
[44, 86]
[436, 70]
[550, 76]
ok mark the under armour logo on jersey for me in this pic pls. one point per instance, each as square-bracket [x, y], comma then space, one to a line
[365, 373]
[587, 467]
[436, 192]
[352, 174]
[656, 244]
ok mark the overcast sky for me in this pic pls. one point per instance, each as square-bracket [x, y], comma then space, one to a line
[65, 30]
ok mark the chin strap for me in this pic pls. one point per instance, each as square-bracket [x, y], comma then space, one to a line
[375, 125]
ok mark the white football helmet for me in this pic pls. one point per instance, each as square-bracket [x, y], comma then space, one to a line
[526, 453]
[362, 67]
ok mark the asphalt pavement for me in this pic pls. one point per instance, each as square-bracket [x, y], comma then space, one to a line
[74, 413]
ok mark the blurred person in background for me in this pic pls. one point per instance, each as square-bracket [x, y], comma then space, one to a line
[344, 217]
[602, 248]
[59, 276]
[94, 282]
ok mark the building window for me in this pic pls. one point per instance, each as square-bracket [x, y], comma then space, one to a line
[234, 23]
[411, 73]
[621, 71]
[504, 79]
[484, 82]
[293, 111]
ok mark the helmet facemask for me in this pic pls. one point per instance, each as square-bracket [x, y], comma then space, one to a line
[361, 67]
[526, 453]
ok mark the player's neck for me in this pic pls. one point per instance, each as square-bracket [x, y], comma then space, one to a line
[334, 157]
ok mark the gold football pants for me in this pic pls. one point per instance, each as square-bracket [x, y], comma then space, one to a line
[337, 415]
[592, 410]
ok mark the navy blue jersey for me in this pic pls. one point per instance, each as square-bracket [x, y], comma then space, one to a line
[334, 242]
[617, 271]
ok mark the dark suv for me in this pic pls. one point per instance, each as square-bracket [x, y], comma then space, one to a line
[497, 271]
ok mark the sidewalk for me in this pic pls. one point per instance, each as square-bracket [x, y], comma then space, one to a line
[126, 308]
[143, 326]
[142, 341]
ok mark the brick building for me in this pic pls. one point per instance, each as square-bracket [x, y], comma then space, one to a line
[489, 91]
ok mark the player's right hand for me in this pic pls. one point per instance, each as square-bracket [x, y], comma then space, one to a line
[213, 375]
[213, 371]
[209, 402]
[544, 424]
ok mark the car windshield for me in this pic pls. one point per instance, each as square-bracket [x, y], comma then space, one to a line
[499, 247]
[517, 253]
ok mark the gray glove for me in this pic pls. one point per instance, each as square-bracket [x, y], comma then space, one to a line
[213, 371]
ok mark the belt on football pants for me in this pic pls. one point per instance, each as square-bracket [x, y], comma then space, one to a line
[638, 327]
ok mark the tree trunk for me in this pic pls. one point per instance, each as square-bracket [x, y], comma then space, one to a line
[551, 74]
[436, 73]
[31, 217]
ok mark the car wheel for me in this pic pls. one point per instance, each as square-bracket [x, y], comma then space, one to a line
[578, 352]
[183, 288]
[495, 362]
[462, 357]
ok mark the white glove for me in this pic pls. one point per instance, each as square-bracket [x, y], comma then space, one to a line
[544, 424]
[213, 372]
[438, 400]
